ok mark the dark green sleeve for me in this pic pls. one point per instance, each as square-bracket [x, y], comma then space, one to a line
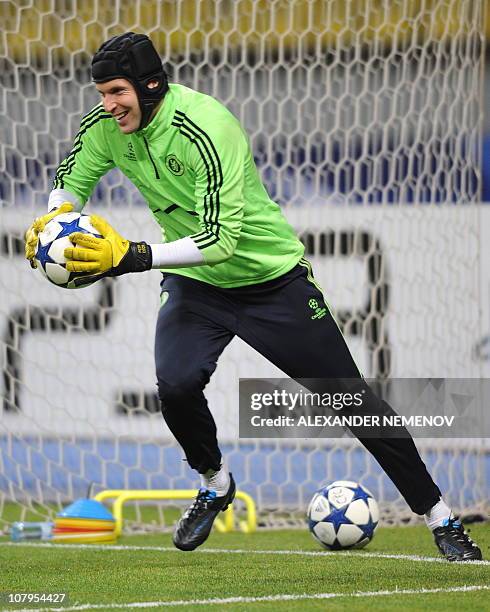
[89, 158]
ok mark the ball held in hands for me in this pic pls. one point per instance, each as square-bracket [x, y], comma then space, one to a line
[37, 226]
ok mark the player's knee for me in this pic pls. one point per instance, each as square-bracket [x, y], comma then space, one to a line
[180, 390]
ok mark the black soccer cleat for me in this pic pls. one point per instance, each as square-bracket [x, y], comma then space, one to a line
[195, 524]
[454, 543]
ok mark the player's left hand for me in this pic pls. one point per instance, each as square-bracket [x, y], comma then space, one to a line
[111, 255]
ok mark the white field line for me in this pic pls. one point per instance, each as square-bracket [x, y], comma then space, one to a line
[241, 551]
[266, 598]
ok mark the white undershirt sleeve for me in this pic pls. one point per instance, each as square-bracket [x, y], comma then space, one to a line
[177, 254]
[59, 196]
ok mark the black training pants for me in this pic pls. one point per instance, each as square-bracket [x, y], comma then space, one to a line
[198, 320]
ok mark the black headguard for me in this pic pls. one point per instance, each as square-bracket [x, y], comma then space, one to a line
[133, 57]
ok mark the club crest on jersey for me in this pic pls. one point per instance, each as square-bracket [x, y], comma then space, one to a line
[174, 165]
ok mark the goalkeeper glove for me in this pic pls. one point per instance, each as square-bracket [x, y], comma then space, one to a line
[111, 255]
[31, 235]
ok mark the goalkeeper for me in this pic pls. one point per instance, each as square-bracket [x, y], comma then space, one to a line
[232, 266]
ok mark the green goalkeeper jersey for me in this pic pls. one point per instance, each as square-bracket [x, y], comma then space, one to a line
[194, 167]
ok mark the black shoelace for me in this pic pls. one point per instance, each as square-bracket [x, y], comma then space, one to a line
[204, 497]
[455, 528]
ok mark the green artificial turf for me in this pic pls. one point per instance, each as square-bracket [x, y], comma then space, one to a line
[148, 569]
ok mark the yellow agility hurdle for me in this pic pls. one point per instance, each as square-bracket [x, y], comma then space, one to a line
[225, 525]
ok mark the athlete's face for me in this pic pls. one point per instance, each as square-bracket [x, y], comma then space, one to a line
[120, 100]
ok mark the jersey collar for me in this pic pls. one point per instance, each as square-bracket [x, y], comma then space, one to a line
[163, 119]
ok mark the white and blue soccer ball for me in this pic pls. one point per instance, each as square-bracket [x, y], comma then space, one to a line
[53, 241]
[343, 515]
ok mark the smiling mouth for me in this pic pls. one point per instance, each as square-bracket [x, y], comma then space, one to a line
[121, 116]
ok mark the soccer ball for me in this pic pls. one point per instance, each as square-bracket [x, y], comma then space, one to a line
[53, 241]
[343, 515]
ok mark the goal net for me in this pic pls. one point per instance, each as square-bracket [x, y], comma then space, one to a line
[364, 117]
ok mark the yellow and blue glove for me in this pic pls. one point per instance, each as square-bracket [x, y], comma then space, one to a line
[38, 225]
[111, 255]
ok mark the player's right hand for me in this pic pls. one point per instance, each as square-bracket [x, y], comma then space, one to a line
[31, 235]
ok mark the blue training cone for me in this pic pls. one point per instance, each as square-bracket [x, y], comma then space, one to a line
[86, 509]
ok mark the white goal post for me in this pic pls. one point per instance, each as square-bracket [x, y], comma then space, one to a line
[365, 120]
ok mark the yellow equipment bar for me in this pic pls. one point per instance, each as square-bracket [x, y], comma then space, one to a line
[225, 525]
